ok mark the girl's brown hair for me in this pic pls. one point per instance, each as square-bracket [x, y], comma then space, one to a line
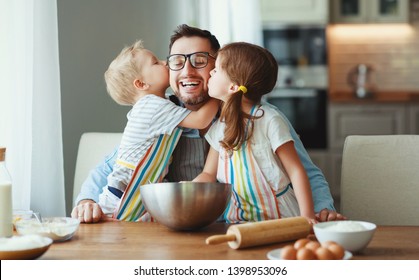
[255, 68]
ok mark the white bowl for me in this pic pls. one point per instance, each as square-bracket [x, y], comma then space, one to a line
[19, 214]
[25, 247]
[56, 228]
[354, 236]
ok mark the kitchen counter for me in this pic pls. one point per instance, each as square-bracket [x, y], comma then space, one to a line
[148, 241]
[377, 97]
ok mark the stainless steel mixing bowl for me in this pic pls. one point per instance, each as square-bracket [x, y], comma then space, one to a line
[187, 205]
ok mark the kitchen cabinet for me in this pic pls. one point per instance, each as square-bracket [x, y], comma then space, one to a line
[370, 11]
[294, 11]
[414, 119]
[364, 119]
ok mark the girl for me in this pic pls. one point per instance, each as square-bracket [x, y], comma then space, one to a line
[251, 146]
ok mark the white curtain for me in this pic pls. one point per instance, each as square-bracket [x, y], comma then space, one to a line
[30, 106]
[231, 20]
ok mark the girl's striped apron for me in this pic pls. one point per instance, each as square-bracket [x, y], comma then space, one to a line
[253, 199]
[151, 169]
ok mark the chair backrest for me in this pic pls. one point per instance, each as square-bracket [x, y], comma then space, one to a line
[93, 148]
[380, 179]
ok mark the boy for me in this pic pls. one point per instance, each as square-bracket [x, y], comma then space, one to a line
[137, 78]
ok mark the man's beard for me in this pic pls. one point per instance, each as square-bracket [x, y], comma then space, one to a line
[194, 100]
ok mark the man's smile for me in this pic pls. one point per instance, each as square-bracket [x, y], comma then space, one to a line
[190, 84]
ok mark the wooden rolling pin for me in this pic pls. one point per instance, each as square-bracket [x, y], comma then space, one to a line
[262, 233]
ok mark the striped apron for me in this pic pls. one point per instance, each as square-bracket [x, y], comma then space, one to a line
[151, 169]
[253, 199]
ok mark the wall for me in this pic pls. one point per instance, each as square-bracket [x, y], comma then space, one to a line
[91, 34]
[391, 49]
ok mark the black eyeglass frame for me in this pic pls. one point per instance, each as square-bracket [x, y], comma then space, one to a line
[188, 57]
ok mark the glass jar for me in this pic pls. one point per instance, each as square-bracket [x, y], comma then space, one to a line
[6, 209]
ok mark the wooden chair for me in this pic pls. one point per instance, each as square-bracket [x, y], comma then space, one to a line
[380, 179]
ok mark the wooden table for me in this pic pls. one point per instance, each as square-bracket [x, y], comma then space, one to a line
[150, 241]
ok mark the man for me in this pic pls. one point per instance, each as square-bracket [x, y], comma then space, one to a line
[188, 81]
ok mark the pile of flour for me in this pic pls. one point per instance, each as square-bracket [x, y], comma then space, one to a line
[346, 226]
[24, 242]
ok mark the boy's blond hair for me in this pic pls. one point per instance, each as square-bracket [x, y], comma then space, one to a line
[121, 74]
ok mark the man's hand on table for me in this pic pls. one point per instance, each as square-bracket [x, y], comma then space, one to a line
[326, 215]
[88, 211]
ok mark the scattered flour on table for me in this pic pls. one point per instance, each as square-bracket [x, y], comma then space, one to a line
[25, 242]
[346, 226]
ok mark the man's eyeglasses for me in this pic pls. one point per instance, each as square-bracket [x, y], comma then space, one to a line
[198, 60]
